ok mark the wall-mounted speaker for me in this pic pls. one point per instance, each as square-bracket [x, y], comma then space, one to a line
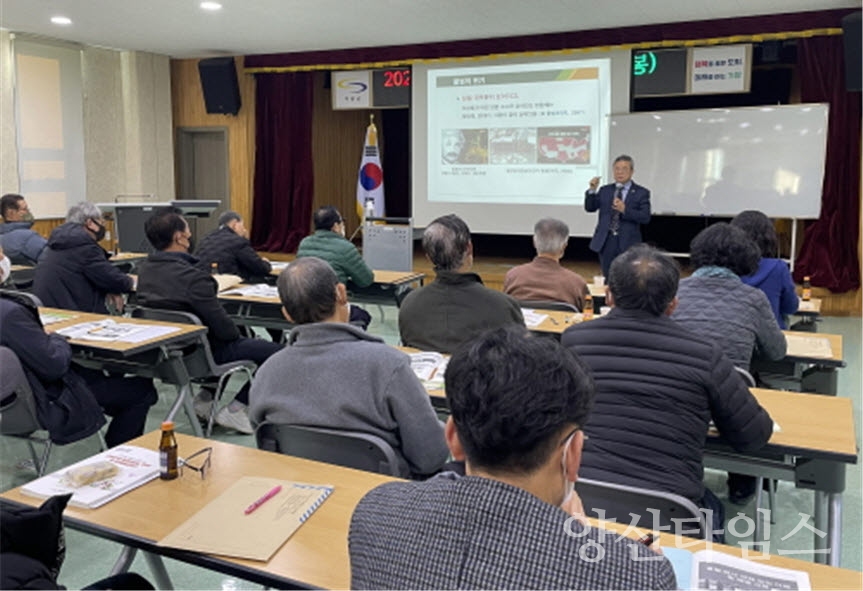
[219, 83]
[853, 49]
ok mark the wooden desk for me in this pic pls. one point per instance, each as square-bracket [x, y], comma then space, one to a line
[814, 374]
[816, 443]
[251, 310]
[558, 321]
[820, 576]
[396, 278]
[809, 313]
[15, 268]
[183, 334]
[317, 554]
[160, 357]
[125, 257]
[596, 291]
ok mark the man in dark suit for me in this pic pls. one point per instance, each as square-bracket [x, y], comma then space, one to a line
[623, 207]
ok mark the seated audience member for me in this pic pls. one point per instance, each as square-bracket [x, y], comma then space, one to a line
[170, 279]
[75, 273]
[658, 386]
[230, 249]
[544, 278]
[329, 243]
[772, 276]
[71, 400]
[519, 404]
[716, 304]
[456, 306]
[333, 374]
[22, 245]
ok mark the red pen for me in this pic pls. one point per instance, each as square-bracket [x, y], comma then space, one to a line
[263, 499]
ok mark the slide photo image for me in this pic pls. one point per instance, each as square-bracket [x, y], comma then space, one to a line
[564, 145]
[464, 146]
[512, 145]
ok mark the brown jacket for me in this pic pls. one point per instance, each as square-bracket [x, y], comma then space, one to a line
[545, 279]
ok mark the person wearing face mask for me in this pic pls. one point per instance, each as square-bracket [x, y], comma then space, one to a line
[334, 375]
[329, 243]
[229, 249]
[75, 273]
[170, 279]
[23, 246]
[518, 404]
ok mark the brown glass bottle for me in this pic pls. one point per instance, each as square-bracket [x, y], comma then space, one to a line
[168, 469]
[588, 307]
[806, 292]
[214, 268]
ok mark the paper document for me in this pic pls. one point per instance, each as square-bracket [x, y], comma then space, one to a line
[708, 569]
[259, 290]
[816, 347]
[227, 281]
[429, 367]
[279, 266]
[110, 330]
[806, 306]
[532, 318]
[223, 527]
[55, 317]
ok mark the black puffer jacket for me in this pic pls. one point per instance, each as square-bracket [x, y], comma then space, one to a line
[658, 386]
[232, 253]
[74, 273]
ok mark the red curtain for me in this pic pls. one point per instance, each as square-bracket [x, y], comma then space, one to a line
[829, 251]
[284, 177]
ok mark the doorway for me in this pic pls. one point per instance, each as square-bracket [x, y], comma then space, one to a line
[203, 172]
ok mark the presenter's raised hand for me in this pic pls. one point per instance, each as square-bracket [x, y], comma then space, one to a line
[594, 183]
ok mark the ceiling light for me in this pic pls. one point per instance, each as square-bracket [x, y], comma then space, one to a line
[211, 6]
[61, 20]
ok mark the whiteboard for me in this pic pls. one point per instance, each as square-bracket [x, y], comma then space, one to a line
[724, 161]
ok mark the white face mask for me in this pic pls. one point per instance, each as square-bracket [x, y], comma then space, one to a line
[568, 485]
[5, 268]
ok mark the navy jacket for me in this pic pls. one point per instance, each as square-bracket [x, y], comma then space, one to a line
[75, 272]
[232, 253]
[65, 405]
[22, 245]
[657, 388]
[774, 279]
[636, 213]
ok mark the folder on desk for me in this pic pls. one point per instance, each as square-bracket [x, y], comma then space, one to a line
[224, 528]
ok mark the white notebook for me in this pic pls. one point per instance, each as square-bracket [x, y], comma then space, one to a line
[136, 466]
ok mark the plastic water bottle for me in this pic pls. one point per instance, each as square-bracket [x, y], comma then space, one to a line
[369, 208]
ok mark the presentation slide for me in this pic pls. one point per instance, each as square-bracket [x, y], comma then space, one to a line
[522, 137]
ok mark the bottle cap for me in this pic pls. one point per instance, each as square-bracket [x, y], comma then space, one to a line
[167, 425]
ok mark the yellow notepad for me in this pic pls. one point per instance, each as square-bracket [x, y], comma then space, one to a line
[224, 528]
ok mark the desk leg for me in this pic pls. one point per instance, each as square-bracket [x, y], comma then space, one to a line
[822, 523]
[821, 380]
[157, 567]
[835, 529]
[124, 561]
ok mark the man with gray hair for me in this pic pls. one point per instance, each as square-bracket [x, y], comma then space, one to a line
[229, 249]
[75, 272]
[544, 278]
[456, 307]
[335, 375]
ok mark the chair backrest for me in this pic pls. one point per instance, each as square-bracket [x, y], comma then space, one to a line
[351, 449]
[654, 509]
[750, 381]
[547, 305]
[17, 406]
[199, 362]
[24, 295]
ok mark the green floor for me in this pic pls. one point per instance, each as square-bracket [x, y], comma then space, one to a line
[89, 558]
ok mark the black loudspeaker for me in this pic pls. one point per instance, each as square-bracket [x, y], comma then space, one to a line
[853, 50]
[219, 83]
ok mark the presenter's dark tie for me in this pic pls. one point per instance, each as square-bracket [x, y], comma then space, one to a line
[615, 215]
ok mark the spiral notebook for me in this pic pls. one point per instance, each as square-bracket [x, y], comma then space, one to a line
[222, 527]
